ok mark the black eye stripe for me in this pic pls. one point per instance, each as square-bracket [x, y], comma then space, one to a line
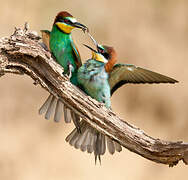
[67, 21]
[106, 55]
[100, 50]
[59, 19]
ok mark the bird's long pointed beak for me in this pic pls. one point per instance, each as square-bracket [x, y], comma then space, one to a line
[90, 48]
[94, 41]
[81, 26]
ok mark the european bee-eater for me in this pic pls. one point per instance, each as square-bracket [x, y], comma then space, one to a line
[100, 78]
[60, 43]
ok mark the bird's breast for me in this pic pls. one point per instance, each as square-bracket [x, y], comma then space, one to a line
[95, 83]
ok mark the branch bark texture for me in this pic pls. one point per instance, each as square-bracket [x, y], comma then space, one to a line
[22, 53]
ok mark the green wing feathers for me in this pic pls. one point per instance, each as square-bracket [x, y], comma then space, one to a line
[46, 42]
[126, 73]
[77, 55]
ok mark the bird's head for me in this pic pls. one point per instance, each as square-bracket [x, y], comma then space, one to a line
[66, 22]
[105, 54]
[97, 55]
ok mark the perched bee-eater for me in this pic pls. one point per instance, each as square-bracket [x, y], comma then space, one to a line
[100, 77]
[60, 43]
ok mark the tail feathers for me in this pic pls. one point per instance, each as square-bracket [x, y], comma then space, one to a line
[55, 107]
[100, 147]
[92, 137]
[46, 104]
[77, 139]
[51, 108]
[58, 111]
[91, 140]
[76, 121]
[67, 114]
[117, 146]
[110, 145]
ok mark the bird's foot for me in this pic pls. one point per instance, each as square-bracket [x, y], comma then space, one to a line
[70, 69]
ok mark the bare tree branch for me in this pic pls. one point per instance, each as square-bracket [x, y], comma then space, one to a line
[22, 53]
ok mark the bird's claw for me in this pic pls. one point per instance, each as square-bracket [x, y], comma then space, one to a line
[69, 72]
[70, 68]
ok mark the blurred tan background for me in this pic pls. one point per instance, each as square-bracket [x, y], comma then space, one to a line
[152, 34]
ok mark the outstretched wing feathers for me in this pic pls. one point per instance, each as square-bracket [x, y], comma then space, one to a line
[126, 73]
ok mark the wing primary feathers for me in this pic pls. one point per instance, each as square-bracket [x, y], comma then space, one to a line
[127, 73]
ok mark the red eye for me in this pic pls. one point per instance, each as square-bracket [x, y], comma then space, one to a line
[101, 51]
[66, 21]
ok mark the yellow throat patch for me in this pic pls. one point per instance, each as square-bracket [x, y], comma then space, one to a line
[99, 57]
[64, 27]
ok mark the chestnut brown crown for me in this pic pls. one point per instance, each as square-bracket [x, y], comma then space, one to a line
[62, 15]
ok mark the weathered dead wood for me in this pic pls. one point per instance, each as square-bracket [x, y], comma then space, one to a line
[21, 53]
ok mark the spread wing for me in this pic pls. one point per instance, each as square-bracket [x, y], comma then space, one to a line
[46, 39]
[127, 73]
[77, 55]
